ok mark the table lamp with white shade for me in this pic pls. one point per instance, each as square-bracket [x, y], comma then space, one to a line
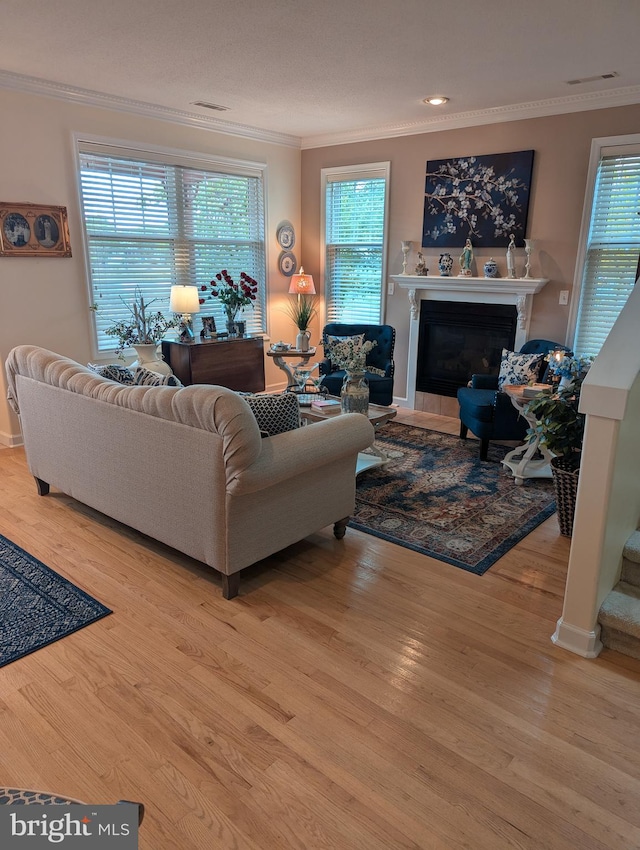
[185, 300]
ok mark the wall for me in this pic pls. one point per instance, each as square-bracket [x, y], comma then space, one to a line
[45, 301]
[562, 146]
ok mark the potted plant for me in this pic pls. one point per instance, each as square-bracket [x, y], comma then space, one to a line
[142, 331]
[302, 312]
[560, 427]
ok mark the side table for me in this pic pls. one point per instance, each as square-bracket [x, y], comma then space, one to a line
[530, 460]
[280, 359]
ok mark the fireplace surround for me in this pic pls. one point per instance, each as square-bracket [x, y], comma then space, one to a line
[516, 293]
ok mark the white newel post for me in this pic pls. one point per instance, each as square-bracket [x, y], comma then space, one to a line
[470, 290]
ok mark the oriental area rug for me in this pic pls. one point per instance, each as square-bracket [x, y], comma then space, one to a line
[437, 497]
[37, 606]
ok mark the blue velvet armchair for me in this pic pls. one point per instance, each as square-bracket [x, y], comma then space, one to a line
[380, 357]
[488, 413]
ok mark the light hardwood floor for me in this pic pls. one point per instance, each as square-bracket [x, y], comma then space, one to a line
[355, 695]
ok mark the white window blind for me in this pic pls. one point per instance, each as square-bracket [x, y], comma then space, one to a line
[151, 224]
[355, 243]
[612, 251]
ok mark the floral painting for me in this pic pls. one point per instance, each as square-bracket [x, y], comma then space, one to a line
[481, 198]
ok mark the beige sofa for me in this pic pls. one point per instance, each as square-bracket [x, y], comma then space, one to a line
[186, 466]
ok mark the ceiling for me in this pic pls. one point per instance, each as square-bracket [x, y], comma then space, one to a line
[306, 72]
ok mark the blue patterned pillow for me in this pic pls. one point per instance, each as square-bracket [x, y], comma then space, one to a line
[147, 378]
[114, 372]
[518, 368]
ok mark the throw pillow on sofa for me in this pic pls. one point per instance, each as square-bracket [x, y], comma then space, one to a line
[138, 376]
[275, 413]
[147, 378]
[518, 368]
[114, 372]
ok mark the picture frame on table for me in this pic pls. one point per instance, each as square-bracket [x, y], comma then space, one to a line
[33, 230]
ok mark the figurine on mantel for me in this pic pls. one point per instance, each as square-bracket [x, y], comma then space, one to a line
[421, 267]
[466, 258]
[511, 257]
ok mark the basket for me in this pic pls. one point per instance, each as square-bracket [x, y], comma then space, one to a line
[565, 471]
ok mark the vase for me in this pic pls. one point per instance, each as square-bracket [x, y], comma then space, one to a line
[232, 324]
[445, 264]
[565, 472]
[491, 268]
[354, 395]
[150, 358]
[302, 341]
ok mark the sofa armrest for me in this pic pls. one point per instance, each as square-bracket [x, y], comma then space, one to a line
[324, 367]
[287, 455]
[484, 382]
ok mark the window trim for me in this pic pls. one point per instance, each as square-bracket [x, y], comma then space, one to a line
[108, 146]
[600, 147]
[370, 169]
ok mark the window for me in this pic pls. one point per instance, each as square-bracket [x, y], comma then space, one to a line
[355, 225]
[153, 220]
[612, 247]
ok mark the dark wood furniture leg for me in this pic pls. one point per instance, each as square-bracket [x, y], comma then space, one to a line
[463, 431]
[43, 487]
[230, 585]
[484, 448]
[340, 527]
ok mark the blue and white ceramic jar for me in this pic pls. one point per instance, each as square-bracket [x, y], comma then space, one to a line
[445, 264]
[491, 268]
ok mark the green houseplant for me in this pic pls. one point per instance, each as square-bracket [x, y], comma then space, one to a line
[560, 427]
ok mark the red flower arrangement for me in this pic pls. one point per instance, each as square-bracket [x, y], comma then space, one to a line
[234, 296]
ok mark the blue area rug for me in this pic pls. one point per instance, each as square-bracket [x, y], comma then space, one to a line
[37, 606]
[437, 497]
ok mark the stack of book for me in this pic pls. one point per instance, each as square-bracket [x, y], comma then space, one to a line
[325, 405]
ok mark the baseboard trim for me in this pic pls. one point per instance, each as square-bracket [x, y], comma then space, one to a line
[10, 440]
[579, 641]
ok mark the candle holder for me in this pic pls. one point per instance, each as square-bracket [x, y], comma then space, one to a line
[406, 247]
[528, 249]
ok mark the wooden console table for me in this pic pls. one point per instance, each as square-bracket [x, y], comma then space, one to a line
[236, 363]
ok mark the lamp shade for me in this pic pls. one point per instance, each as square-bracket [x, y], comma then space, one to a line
[184, 299]
[301, 284]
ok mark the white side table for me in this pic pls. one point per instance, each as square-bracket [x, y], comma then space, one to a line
[530, 460]
[279, 358]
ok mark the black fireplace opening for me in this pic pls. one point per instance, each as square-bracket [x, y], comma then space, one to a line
[458, 340]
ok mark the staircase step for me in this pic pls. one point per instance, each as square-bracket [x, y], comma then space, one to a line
[631, 560]
[619, 619]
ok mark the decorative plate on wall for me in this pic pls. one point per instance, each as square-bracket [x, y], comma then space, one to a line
[287, 263]
[286, 236]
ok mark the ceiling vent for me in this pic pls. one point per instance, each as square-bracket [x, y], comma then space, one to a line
[593, 79]
[214, 106]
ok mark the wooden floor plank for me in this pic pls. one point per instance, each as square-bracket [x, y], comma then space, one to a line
[356, 695]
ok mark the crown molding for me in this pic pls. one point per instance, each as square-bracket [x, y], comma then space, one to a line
[494, 115]
[88, 97]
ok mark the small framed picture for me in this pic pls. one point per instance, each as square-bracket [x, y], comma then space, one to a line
[208, 327]
[33, 230]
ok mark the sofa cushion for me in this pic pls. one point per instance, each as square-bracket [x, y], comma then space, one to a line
[274, 413]
[518, 368]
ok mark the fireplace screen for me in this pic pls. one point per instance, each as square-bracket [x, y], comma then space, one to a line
[457, 340]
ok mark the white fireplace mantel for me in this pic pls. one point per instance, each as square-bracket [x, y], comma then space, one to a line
[479, 290]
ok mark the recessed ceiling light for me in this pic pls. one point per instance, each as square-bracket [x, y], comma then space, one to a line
[436, 100]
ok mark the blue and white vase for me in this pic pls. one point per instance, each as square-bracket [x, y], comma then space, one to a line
[491, 268]
[445, 264]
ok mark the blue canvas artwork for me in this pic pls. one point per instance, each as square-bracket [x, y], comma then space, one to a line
[481, 198]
